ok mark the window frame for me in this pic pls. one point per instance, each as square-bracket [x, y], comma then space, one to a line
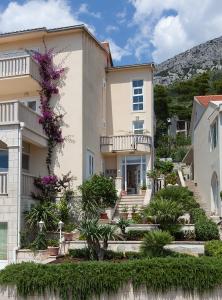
[90, 163]
[4, 170]
[26, 152]
[214, 134]
[138, 129]
[137, 95]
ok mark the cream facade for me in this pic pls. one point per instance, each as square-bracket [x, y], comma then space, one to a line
[206, 142]
[108, 120]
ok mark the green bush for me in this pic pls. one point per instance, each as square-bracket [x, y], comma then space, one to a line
[166, 212]
[197, 214]
[40, 242]
[179, 194]
[213, 248]
[135, 235]
[154, 241]
[85, 280]
[206, 230]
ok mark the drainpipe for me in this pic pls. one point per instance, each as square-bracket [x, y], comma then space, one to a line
[21, 126]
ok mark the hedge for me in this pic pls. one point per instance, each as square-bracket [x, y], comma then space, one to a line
[83, 280]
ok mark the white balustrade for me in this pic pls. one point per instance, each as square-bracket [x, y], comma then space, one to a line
[3, 183]
[125, 143]
[19, 66]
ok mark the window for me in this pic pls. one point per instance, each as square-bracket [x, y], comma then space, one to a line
[90, 164]
[3, 160]
[3, 241]
[32, 105]
[137, 95]
[138, 127]
[25, 156]
[214, 134]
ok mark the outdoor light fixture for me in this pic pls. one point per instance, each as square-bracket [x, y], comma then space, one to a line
[41, 224]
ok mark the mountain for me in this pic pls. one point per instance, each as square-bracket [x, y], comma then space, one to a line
[206, 56]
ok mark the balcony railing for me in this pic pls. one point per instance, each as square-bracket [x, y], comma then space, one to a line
[15, 112]
[28, 186]
[3, 183]
[125, 143]
[19, 66]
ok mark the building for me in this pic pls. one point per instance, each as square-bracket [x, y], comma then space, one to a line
[108, 120]
[177, 126]
[206, 130]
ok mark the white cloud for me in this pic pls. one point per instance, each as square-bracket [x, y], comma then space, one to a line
[170, 33]
[111, 28]
[84, 9]
[37, 13]
[116, 51]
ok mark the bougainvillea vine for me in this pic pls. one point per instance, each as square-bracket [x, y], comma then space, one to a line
[50, 77]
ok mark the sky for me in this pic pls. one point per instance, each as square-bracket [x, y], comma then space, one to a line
[138, 31]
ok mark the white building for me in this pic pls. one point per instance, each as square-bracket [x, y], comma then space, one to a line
[206, 129]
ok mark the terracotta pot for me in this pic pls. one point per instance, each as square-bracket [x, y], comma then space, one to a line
[104, 216]
[124, 215]
[53, 251]
[124, 193]
[68, 236]
[143, 192]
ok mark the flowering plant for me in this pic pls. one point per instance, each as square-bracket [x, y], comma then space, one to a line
[50, 120]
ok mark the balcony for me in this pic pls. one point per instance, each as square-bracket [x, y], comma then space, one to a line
[14, 112]
[125, 143]
[18, 75]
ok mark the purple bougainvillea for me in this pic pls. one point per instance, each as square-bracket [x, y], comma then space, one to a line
[51, 121]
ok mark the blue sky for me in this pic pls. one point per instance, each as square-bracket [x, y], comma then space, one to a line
[138, 30]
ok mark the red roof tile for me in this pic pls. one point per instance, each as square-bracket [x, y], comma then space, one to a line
[204, 100]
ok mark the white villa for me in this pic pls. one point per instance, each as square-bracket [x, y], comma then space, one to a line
[206, 129]
[108, 119]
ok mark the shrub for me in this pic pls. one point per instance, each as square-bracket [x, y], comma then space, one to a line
[154, 241]
[87, 280]
[166, 212]
[135, 235]
[53, 243]
[137, 218]
[197, 214]
[40, 242]
[213, 248]
[206, 230]
[179, 194]
[80, 253]
[171, 178]
[123, 224]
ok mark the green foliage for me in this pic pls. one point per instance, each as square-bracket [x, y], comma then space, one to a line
[53, 243]
[63, 209]
[171, 178]
[46, 212]
[123, 224]
[68, 227]
[206, 230]
[166, 212]
[94, 232]
[40, 242]
[164, 167]
[135, 235]
[154, 241]
[137, 218]
[98, 193]
[179, 194]
[213, 248]
[83, 281]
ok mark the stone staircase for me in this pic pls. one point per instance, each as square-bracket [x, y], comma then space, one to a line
[129, 202]
[193, 188]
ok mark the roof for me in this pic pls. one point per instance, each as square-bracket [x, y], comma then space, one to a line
[205, 100]
[135, 66]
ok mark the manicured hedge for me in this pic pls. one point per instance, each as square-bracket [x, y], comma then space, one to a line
[81, 281]
[135, 235]
[213, 248]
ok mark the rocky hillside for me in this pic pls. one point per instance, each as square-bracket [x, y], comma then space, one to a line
[206, 56]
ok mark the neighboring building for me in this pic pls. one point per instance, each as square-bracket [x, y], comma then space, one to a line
[177, 126]
[108, 119]
[206, 152]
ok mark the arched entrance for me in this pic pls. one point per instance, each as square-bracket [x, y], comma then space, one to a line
[215, 199]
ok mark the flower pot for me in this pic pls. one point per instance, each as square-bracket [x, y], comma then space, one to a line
[53, 251]
[143, 192]
[104, 216]
[124, 215]
[68, 236]
[123, 193]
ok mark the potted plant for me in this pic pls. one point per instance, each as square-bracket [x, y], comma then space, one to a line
[68, 234]
[53, 247]
[143, 189]
[124, 213]
[134, 211]
[104, 216]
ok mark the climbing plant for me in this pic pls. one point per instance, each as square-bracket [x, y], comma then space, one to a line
[50, 78]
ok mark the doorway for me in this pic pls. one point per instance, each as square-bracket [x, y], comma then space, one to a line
[133, 173]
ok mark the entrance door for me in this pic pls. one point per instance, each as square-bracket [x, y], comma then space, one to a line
[133, 172]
